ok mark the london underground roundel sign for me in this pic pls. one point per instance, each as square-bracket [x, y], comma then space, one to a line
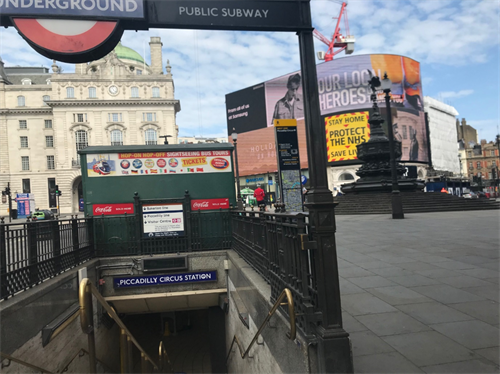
[70, 41]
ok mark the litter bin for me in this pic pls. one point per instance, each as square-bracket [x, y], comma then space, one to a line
[13, 213]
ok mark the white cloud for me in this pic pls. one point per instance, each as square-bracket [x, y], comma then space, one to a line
[454, 94]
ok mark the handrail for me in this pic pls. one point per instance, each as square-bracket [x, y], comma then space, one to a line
[78, 354]
[163, 358]
[34, 367]
[86, 319]
[291, 311]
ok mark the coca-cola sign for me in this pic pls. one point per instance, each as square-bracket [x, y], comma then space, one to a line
[112, 209]
[209, 204]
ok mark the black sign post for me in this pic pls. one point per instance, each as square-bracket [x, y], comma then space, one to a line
[287, 152]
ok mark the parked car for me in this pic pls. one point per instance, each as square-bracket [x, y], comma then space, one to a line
[470, 195]
[482, 195]
[43, 214]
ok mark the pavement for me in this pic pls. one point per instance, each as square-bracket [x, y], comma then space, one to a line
[421, 295]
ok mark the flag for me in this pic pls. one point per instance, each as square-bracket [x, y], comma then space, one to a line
[134, 171]
[199, 169]
[172, 171]
[154, 171]
[192, 170]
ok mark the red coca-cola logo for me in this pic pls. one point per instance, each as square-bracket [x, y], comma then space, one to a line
[112, 209]
[210, 204]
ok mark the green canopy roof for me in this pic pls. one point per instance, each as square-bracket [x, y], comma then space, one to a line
[246, 191]
[127, 53]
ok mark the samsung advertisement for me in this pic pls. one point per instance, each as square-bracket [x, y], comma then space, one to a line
[345, 105]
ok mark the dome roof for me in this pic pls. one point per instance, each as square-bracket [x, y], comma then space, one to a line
[125, 53]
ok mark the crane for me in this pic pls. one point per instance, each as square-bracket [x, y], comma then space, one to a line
[338, 41]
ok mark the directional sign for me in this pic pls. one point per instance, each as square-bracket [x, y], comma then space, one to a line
[162, 220]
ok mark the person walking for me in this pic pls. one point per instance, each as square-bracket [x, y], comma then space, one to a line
[260, 196]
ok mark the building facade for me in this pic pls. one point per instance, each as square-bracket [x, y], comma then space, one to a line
[47, 117]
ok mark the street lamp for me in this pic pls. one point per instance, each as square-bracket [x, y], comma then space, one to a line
[234, 135]
[397, 204]
[460, 161]
[165, 137]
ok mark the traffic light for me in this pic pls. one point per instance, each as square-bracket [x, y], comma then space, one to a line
[58, 192]
[493, 173]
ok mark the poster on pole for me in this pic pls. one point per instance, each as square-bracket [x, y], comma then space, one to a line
[163, 220]
[287, 151]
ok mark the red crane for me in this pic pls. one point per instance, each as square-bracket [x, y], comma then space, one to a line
[338, 41]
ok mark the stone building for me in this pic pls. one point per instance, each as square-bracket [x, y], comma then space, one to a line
[46, 117]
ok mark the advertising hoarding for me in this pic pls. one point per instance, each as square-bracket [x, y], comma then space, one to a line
[155, 163]
[343, 87]
[343, 133]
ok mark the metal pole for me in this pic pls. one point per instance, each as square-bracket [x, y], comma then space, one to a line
[397, 204]
[239, 202]
[334, 352]
[460, 161]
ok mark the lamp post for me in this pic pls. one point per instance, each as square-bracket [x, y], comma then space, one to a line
[397, 204]
[166, 138]
[460, 161]
[234, 135]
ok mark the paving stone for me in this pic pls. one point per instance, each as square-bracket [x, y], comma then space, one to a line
[493, 265]
[473, 259]
[365, 303]
[392, 271]
[413, 280]
[454, 265]
[367, 343]
[417, 266]
[347, 287]
[391, 362]
[429, 348]
[397, 295]
[434, 312]
[471, 334]
[439, 272]
[371, 282]
[481, 273]
[471, 366]
[446, 294]
[486, 310]
[353, 272]
[428, 258]
[351, 324]
[464, 281]
[489, 291]
[492, 354]
[372, 265]
[391, 323]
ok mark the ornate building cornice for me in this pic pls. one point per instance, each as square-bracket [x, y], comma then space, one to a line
[94, 103]
[26, 111]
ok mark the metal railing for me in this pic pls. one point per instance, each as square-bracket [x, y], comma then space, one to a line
[32, 252]
[9, 358]
[127, 340]
[163, 359]
[279, 246]
[290, 335]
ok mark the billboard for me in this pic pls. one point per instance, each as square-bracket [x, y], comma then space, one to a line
[343, 89]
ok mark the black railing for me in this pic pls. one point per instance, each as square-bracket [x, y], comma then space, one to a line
[277, 247]
[32, 252]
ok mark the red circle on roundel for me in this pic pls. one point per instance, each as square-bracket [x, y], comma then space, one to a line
[47, 34]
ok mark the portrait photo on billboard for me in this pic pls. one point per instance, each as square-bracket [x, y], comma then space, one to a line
[284, 98]
[246, 109]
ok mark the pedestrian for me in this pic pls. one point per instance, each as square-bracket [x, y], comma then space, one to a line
[260, 196]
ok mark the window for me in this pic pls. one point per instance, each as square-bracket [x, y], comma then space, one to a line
[26, 186]
[50, 163]
[45, 98]
[346, 177]
[24, 142]
[70, 92]
[80, 117]
[49, 141]
[149, 117]
[48, 123]
[471, 165]
[92, 92]
[116, 137]
[156, 91]
[23, 124]
[25, 162]
[405, 132]
[81, 139]
[21, 101]
[150, 136]
[134, 92]
[492, 153]
[469, 154]
[114, 117]
[26, 82]
[139, 72]
[478, 164]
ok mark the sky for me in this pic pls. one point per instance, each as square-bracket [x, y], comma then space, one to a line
[457, 43]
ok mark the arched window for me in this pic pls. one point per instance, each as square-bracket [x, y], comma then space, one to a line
[156, 91]
[116, 137]
[134, 92]
[150, 137]
[70, 92]
[92, 92]
[45, 99]
[346, 177]
[81, 139]
[26, 82]
[21, 101]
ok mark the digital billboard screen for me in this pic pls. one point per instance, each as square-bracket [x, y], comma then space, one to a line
[343, 90]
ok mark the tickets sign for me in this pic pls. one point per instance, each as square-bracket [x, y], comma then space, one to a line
[344, 132]
[156, 163]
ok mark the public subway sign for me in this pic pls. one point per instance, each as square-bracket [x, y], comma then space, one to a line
[165, 279]
[115, 9]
